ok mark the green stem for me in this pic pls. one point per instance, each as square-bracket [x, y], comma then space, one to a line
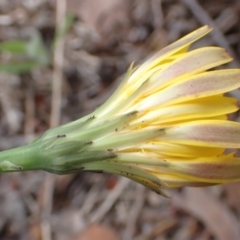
[20, 159]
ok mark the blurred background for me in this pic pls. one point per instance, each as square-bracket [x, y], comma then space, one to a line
[59, 60]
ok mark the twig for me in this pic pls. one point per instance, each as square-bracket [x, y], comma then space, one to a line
[48, 186]
[58, 61]
[226, 20]
[29, 110]
[134, 212]
[226, 226]
[89, 201]
[110, 200]
[204, 18]
[159, 228]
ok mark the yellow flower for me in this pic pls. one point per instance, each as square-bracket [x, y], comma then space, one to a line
[177, 131]
[165, 126]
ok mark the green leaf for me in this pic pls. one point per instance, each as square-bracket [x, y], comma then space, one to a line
[18, 67]
[34, 50]
[13, 47]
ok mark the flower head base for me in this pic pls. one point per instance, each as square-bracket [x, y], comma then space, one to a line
[165, 126]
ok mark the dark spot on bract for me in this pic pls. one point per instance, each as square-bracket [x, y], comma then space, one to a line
[61, 135]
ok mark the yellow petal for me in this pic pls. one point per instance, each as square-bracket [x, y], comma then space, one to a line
[177, 46]
[172, 181]
[198, 86]
[211, 133]
[135, 77]
[197, 109]
[190, 63]
[179, 150]
[222, 169]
